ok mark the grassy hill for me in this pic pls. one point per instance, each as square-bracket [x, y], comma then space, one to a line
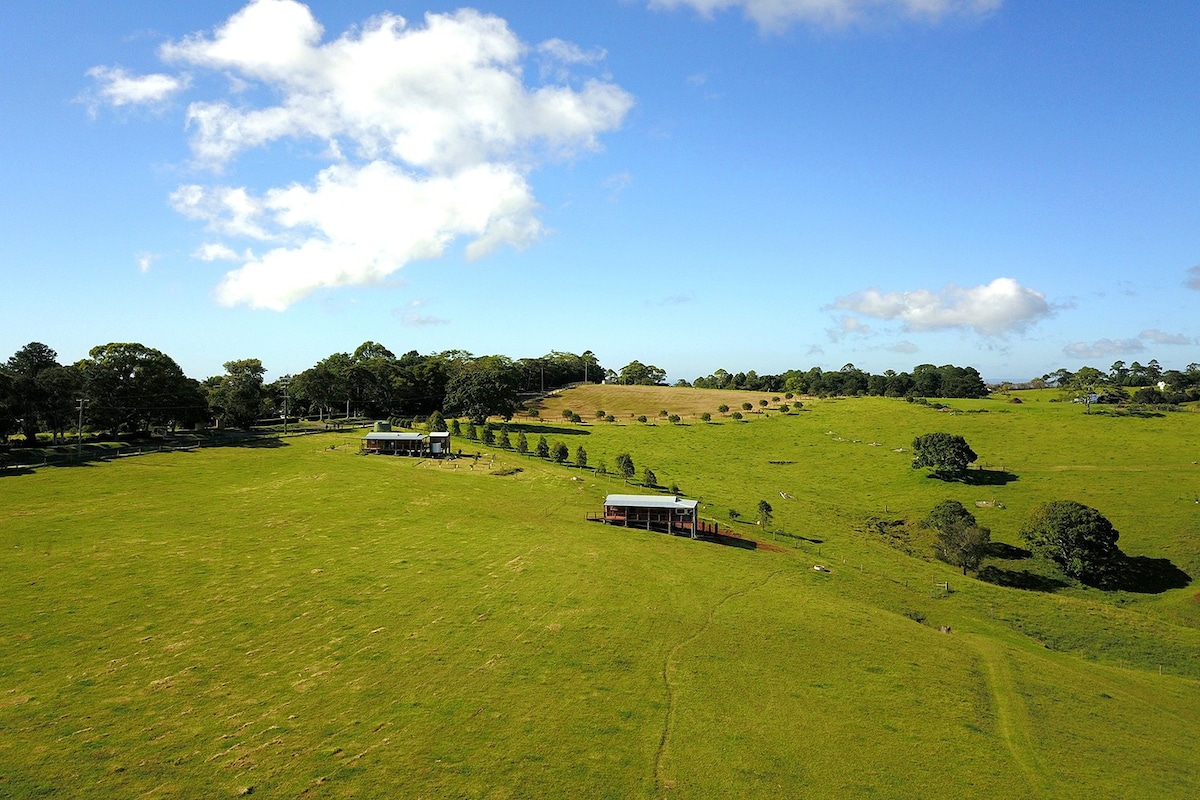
[299, 619]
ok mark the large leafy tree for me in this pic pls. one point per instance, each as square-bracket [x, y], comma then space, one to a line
[961, 540]
[635, 372]
[238, 395]
[27, 396]
[325, 386]
[948, 454]
[133, 387]
[1088, 383]
[1076, 537]
[61, 388]
[8, 418]
[486, 388]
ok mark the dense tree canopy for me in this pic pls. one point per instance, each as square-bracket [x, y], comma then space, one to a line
[1076, 537]
[637, 373]
[925, 380]
[27, 395]
[238, 395]
[483, 389]
[132, 387]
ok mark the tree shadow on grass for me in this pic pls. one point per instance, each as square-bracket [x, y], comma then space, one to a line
[729, 541]
[1021, 579]
[1007, 551]
[256, 442]
[12, 472]
[988, 477]
[1140, 413]
[1145, 575]
[540, 429]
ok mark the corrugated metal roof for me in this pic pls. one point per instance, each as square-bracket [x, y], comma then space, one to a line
[649, 501]
[395, 436]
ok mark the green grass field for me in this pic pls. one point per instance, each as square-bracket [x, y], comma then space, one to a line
[297, 619]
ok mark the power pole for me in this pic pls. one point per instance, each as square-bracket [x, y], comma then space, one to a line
[79, 442]
[285, 406]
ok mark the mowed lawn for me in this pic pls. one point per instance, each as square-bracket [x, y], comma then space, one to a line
[300, 619]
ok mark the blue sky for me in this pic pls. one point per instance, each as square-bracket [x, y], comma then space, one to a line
[698, 184]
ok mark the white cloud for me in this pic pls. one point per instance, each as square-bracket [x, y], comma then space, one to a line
[1162, 337]
[1193, 280]
[215, 251]
[994, 309]
[617, 183]
[411, 318]
[903, 347]
[847, 326]
[436, 97]
[357, 225]
[116, 87]
[1104, 348]
[145, 261]
[778, 14]
[563, 52]
[428, 132]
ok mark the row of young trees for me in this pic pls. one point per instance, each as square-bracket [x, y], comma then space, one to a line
[925, 380]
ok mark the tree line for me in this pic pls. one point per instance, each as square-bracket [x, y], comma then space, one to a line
[925, 380]
[1149, 384]
[129, 388]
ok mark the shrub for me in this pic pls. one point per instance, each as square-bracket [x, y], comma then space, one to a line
[567, 413]
[723, 409]
[642, 418]
[600, 415]
[610, 418]
[736, 415]
[674, 418]
[747, 406]
[705, 417]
